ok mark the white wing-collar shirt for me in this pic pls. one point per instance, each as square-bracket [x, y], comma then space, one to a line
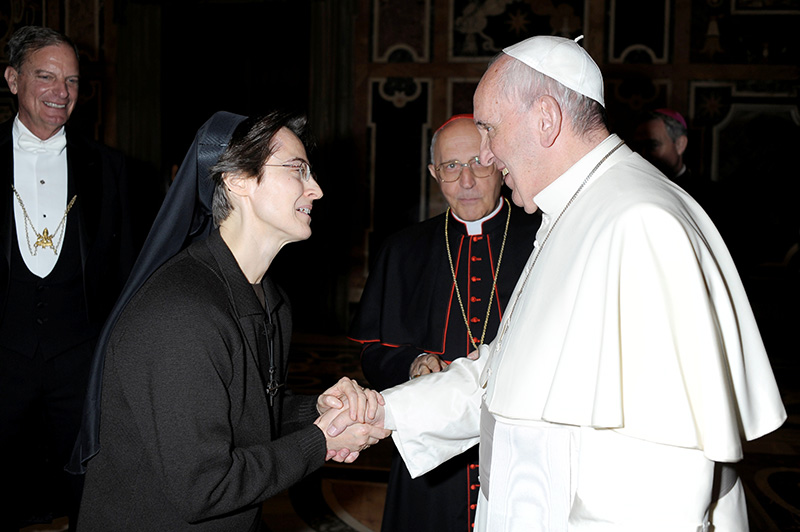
[40, 178]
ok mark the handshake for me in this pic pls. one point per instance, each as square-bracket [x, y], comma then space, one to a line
[351, 417]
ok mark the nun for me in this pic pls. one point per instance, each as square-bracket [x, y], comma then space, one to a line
[188, 424]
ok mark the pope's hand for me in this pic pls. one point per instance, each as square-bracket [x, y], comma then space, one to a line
[339, 423]
[345, 440]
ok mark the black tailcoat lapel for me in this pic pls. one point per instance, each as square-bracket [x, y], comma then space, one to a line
[6, 205]
[85, 178]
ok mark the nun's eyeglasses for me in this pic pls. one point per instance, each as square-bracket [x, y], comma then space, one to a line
[303, 169]
[450, 171]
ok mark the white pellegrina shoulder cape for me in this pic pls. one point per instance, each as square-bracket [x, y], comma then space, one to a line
[635, 319]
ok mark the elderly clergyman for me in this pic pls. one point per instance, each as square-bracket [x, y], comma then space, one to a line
[435, 293]
[628, 367]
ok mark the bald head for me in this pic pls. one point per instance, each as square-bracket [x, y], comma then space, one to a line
[476, 191]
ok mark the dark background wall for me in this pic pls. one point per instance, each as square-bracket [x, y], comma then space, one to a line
[246, 58]
[377, 76]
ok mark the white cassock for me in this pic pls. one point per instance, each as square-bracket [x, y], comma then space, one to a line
[630, 366]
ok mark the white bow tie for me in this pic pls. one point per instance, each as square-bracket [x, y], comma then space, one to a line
[54, 144]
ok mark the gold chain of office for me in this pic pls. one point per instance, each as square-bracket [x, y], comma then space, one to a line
[494, 281]
[44, 239]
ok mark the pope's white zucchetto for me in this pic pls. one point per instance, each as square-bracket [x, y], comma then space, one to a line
[564, 60]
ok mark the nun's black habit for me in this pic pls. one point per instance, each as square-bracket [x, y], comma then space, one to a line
[191, 437]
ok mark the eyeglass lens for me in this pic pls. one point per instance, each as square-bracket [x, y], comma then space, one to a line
[305, 171]
[451, 170]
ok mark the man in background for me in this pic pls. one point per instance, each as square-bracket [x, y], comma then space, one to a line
[662, 138]
[67, 250]
[436, 292]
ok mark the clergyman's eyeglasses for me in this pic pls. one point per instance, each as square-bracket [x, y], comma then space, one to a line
[450, 171]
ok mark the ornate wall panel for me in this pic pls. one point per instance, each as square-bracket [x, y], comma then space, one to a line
[749, 32]
[13, 14]
[401, 31]
[459, 94]
[636, 93]
[83, 26]
[646, 40]
[481, 29]
[750, 134]
[399, 114]
[629, 95]
[728, 114]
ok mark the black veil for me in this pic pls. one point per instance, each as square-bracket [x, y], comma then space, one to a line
[184, 217]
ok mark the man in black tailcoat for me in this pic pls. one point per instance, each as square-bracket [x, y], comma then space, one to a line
[66, 252]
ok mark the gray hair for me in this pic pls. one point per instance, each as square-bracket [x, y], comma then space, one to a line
[251, 145]
[29, 39]
[524, 85]
[433, 145]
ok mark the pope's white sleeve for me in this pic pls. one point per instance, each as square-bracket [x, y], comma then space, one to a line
[437, 416]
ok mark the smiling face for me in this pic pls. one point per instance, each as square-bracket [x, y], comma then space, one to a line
[508, 138]
[47, 88]
[281, 199]
[470, 198]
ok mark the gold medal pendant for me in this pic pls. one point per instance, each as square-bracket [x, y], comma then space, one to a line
[45, 240]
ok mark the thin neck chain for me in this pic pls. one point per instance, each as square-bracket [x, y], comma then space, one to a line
[494, 281]
[45, 238]
[544, 241]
